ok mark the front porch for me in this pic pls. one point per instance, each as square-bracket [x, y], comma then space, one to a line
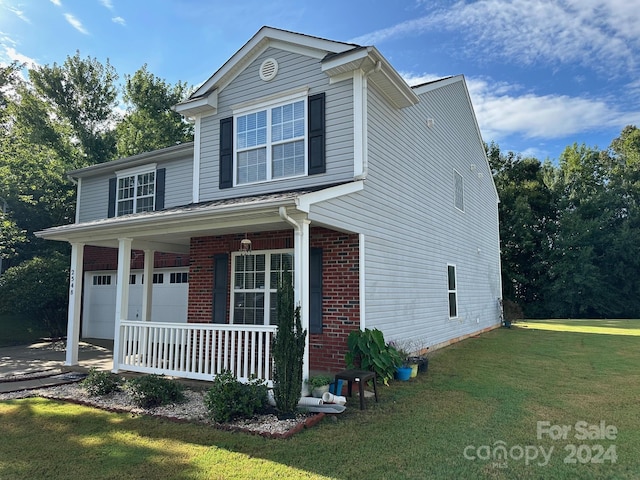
[231, 291]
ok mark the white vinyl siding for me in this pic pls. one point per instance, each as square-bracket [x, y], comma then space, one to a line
[295, 71]
[93, 204]
[406, 214]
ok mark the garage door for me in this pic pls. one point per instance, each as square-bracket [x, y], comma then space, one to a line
[169, 302]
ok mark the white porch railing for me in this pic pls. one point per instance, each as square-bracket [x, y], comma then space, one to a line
[195, 350]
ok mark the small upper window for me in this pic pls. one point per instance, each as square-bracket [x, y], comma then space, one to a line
[270, 143]
[458, 185]
[136, 192]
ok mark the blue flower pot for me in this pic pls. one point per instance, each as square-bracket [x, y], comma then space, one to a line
[403, 373]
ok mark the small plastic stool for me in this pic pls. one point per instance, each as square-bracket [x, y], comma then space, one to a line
[359, 377]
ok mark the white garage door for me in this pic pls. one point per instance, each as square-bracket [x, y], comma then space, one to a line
[169, 301]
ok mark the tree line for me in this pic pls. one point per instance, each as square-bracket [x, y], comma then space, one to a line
[569, 231]
[61, 118]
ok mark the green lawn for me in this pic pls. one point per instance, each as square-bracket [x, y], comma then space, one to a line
[496, 389]
[18, 330]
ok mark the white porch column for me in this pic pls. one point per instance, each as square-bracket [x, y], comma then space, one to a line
[75, 295]
[122, 294]
[301, 283]
[147, 288]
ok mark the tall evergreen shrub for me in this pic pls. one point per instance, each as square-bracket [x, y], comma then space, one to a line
[287, 349]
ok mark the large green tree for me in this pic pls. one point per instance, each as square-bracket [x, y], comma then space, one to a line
[83, 94]
[150, 122]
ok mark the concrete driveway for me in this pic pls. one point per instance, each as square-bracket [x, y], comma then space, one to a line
[51, 355]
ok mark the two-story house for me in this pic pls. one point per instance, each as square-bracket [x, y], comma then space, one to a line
[311, 155]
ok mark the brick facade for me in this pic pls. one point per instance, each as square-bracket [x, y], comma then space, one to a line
[340, 304]
[104, 258]
[340, 280]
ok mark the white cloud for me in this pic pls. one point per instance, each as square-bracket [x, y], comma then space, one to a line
[541, 116]
[600, 34]
[75, 23]
[57, 3]
[107, 3]
[13, 55]
[505, 109]
[119, 21]
[20, 14]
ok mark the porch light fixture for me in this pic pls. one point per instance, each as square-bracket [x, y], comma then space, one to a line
[245, 246]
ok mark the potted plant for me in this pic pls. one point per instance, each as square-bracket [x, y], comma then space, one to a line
[319, 384]
[404, 371]
[369, 351]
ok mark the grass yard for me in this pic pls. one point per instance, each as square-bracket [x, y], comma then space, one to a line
[17, 330]
[487, 392]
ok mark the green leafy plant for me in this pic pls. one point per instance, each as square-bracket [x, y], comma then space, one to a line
[151, 391]
[318, 381]
[368, 350]
[229, 398]
[100, 382]
[287, 349]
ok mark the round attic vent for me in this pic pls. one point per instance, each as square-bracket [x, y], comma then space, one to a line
[269, 69]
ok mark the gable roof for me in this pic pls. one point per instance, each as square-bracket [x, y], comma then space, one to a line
[337, 58]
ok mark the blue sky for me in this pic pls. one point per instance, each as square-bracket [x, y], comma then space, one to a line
[542, 74]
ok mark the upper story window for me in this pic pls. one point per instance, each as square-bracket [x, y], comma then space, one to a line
[458, 191]
[136, 190]
[280, 138]
[270, 143]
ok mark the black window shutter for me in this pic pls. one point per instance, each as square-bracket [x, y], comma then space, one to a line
[111, 209]
[160, 176]
[226, 153]
[220, 287]
[316, 152]
[315, 290]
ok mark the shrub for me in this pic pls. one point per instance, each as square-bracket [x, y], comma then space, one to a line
[229, 398]
[101, 382]
[151, 391]
[287, 349]
[318, 381]
[368, 351]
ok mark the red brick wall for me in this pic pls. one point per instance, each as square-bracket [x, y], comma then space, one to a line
[340, 304]
[103, 258]
[202, 252]
[340, 298]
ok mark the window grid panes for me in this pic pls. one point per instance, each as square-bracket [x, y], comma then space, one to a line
[255, 286]
[136, 193]
[271, 143]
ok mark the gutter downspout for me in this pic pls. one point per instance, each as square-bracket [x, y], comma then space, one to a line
[301, 279]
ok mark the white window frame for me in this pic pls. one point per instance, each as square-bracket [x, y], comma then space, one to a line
[453, 291]
[268, 288]
[458, 194]
[268, 106]
[136, 173]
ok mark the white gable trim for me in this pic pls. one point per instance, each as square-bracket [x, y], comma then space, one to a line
[304, 202]
[266, 37]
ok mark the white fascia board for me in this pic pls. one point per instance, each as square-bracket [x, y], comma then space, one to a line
[438, 84]
[205, 105]
[304, 202]
[195, 190]
[265, 37]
